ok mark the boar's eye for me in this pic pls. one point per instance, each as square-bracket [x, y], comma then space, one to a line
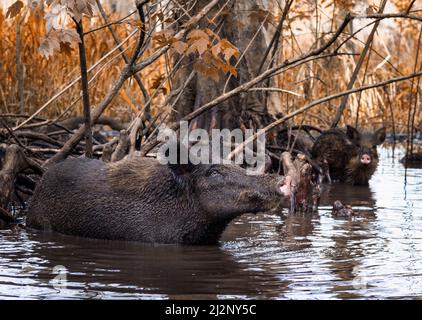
[213, 172]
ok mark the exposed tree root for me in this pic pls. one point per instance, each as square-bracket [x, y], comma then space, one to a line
[305, 191]
[14, 162]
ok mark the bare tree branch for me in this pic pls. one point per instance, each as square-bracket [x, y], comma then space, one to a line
[127, 71]
[315, 103]
[19, 66]
[84, 86]
[117, 41]
[357, 68]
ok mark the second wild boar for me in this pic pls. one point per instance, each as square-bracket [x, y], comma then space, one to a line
[351, 154]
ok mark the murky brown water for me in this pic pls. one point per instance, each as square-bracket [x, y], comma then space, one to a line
[377, 255]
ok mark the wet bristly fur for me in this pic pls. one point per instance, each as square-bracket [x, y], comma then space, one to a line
[342, 150]
[359, 174]
[140, 199]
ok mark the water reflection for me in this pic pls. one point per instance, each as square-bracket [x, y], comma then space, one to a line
[350, 238]
[99, 268]
[376, 254]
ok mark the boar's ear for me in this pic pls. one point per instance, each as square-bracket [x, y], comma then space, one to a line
[177, 164]
[181, 169]
[380, 135]
[352, 133]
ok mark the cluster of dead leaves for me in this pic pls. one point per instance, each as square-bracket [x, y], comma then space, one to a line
[58, 37]
[75, 8]
[64, 40]
[214, 54]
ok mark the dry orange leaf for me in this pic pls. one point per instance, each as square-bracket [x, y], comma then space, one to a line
[198, 34]
[200, 45]
[179, 46]
[14, 9]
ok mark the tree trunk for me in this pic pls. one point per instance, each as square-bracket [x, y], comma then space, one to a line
[239, 27]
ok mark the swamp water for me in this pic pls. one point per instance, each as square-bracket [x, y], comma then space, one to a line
[376, 255]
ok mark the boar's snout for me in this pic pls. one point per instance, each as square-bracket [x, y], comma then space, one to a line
[284, 186]
[273, 196]
[367, 156]
[365, 159]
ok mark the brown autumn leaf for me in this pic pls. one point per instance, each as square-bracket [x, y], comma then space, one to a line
[216, 49]
[218, 63]
[76, 8]
[157, 82]
[207, 71]
[198, 40]
[226, 48]
[179, 46]
[228, 68]
[371, 9]
[212, 33]
[213, 60]
[66, 49]
[200, 45]
[14, 9]
[229, 50]
[70, 36]
[49, 45]
[198, 34]
[63, 40]
[163, 37]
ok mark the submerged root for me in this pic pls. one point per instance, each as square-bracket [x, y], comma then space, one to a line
[305, 192]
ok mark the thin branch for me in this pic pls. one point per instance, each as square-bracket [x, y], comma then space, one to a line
[109, 24]
[277, 90]
[246, 50]
[85, 91]
[10, 131]
[272, 71]
[117, 41]
[77, 136]
[357, 68]
[276, 35]
[388, 16]
[136, 54]
[247, 85]
[19, 66]
[410, 6]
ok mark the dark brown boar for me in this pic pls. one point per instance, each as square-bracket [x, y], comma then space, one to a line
[351, 154]
[140, 199]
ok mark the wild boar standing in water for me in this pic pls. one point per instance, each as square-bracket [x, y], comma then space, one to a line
[142, 200]
[351, 154]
